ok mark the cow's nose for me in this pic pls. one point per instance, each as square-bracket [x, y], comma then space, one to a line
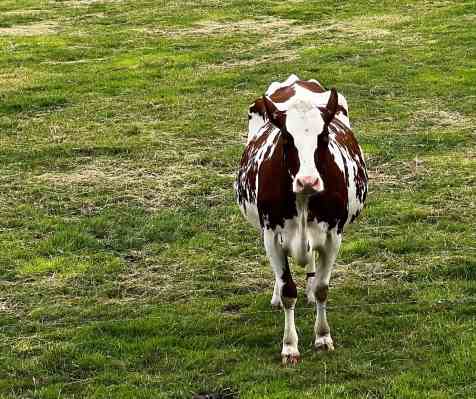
[307, 184]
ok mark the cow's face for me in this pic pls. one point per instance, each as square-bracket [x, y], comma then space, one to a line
[304, 128]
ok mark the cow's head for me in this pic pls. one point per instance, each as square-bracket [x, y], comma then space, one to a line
[304, 128]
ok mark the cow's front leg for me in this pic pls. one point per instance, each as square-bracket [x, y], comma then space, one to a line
[276, 299]
[327, 256]
[288, 295]
[310, 280]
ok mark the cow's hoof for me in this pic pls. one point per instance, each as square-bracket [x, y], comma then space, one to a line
[324, 343]
[291, 360]
[289, 355]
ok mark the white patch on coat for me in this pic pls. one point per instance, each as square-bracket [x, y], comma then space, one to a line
[255, 125]
[250, 212]
[335, 152]
[300, 238]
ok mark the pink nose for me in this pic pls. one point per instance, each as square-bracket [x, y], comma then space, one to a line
[307, 184]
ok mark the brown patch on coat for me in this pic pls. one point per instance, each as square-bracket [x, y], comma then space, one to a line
[330, 205]
[276, 200]
[311, 86]
[321, 293]
[258, 108]
[282, 94]
[289, 288]
[246, 181]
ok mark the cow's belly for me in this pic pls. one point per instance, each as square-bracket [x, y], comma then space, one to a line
[300, 239]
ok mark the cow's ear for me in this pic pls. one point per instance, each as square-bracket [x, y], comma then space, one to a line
[331, 107]
[275, 116]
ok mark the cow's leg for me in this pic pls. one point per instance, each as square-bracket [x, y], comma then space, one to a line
[310, 280]
[287, 294]
[327, 257]
[276, 299]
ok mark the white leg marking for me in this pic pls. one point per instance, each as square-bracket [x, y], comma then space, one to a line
[290, 352]
[277, 258]
[327, 257]
[276, 299]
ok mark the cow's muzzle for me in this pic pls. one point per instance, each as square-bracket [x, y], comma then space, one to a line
[307, 185]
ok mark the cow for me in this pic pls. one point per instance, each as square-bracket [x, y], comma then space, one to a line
[302, 179]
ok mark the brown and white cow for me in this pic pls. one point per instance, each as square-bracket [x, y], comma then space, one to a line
[302, 179]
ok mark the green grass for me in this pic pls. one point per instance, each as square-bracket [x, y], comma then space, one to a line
[126, 270]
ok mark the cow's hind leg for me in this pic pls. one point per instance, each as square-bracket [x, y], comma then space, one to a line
[327, 256]
[288, 295]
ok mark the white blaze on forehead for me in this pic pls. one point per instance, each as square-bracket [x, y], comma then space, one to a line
[303, 118]
[304, 123]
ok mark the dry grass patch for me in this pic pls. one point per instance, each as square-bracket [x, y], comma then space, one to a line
[397, 174]
[277, 29]
[279, 32]
[220, 28]
[380, 176]
[440, 118]
[36, 29]
[72, 62]
[369, 273]
[154, 188]
[79, 3]
[14, 80]
[7, 307]
[285, 55]
[25, 12]
[365, 27]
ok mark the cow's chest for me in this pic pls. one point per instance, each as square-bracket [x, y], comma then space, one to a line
[300, 237]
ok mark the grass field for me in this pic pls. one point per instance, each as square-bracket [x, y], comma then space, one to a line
[126, 269]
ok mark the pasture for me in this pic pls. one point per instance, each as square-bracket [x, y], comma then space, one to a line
[126, 269]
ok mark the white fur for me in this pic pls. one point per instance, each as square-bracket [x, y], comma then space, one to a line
[255, 125]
